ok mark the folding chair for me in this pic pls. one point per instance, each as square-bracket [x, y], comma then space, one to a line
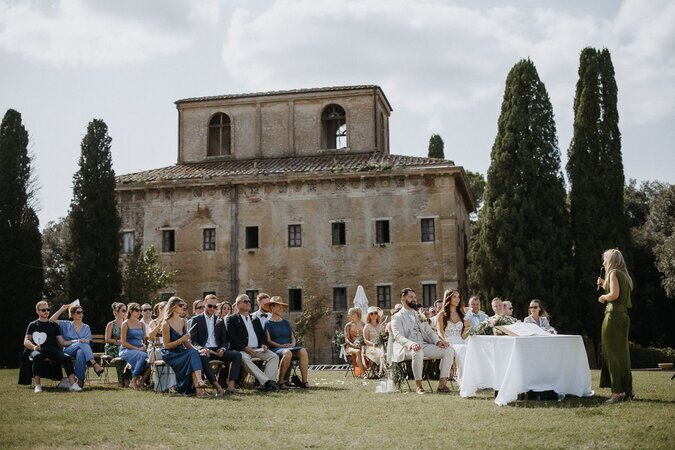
[348, 359]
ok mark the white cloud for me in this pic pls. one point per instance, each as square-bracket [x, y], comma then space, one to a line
[68, 33]
[435, 58]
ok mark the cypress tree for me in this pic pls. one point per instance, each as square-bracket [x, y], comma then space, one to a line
[522, 248]
[595, 172]
[93, 266]
[436, 146]
[21, 276]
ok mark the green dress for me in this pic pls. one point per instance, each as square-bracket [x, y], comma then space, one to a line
[113, 351]
[615, 372]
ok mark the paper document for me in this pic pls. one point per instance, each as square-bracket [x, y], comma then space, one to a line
[522, 329]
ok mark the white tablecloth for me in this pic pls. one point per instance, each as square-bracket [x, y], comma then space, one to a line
[513, 365]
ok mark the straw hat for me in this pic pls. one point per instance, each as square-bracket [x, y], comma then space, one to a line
[377, 309]
[276, 300]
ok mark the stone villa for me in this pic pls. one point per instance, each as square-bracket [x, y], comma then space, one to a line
[295, 193]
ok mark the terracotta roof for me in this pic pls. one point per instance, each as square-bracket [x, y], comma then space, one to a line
[322, 164]
[285, 92]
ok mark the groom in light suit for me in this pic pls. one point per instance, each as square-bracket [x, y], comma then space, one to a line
[414, 339]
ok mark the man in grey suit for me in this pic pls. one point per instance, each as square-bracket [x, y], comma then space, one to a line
[414, 339]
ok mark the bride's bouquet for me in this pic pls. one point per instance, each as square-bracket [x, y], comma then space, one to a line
[487, 327]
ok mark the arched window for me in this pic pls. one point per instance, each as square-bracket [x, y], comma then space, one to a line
[334, 127]
[219, 135]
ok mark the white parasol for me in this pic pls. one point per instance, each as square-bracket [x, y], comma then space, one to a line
[361, 301]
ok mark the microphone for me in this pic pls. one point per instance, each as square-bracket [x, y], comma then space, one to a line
[601, 290]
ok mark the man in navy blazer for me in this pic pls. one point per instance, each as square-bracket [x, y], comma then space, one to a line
[208, 335]
[245, 335]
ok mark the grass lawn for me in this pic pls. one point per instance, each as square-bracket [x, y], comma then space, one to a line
[337, 412]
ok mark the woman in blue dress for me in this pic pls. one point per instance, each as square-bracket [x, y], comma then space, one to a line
[281, 341]
[77, 335]
[134, 346]
[178, 352]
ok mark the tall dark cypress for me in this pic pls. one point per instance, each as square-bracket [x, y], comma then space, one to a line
[595, 171]
[522, 249]
[21, 275]
[93, 272]
[436, 147]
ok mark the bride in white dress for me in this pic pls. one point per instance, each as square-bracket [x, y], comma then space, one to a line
[452, 328]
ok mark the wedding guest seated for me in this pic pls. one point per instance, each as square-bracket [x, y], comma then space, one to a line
[178, 353]
[414, 339]
[281, 340]
[475, 316]
[453, 327]
[146, 316]
[507, 308]
[49, 333]
[263, 312]
[165, 377]
[354, 340]
[156, 324]
[134, 346]
[245, 335]
[497, 307]
[204, 337]
[113, 340]
[539, 316]
[77, 335]
[371, 333]
[225, 310]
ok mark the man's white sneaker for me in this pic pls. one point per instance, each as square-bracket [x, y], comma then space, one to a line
[64, 383]
[75, 387]
[38, 388]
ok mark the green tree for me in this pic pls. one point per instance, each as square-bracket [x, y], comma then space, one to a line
[522, 248]
[93, 267]
[595, 172]
[143, 276]
[477, 186]
[660, 225]
[314, 310]
[54, 259]
[21, 275]
[436, 147]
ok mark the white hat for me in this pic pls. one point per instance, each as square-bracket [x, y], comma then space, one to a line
[377, 309]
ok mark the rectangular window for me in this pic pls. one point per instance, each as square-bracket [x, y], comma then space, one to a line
[128, 242]
[382, 231]
[209, 239]
[295, 299]
[252, 237]
[168, 241]
[252, 294]
[428, 230]
[384, 297]
[339, 299]
[295, 235]
[338, 232]
[428, 294]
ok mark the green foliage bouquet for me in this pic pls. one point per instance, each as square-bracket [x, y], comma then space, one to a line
[487, 327]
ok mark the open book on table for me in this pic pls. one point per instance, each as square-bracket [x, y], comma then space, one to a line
[522, 329]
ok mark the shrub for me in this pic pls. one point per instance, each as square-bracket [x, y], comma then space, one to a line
[650, 357]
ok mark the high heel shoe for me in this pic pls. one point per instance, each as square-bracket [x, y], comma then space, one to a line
[100, 371]
[616, 399]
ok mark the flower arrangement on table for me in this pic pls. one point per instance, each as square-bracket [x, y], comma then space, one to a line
[488, 326]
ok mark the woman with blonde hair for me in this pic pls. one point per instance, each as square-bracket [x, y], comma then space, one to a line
[371, 333]
[353, 336]
[178, 352]
[282, 341]
[615, 372]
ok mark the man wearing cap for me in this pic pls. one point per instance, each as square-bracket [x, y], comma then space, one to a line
[414, 339]
[263, 312]
[209, 337]
[245, 335]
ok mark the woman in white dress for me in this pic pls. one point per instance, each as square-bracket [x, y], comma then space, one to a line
[371, 333]
[452, 328]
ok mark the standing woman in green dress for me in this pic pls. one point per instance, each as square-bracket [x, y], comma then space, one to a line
[615, 372]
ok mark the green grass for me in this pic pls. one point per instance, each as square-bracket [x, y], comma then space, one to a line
[337, 412]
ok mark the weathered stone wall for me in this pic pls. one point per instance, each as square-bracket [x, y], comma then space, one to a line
[317, 266]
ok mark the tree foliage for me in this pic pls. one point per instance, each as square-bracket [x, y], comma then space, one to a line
[436, 146]
[93, 269]
[143, 276]
[54, 259]
[522, 248]
[595, 171]
[21, 275]
[314, 310]
[477, 186]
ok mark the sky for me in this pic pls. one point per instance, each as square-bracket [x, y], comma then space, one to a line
[442, 65]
